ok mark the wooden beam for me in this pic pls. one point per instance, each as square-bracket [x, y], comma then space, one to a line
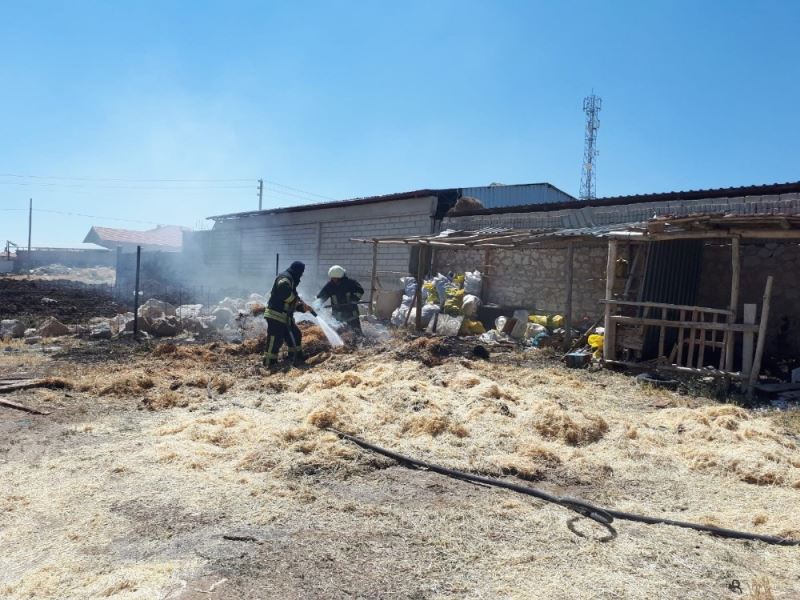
[22, 407]
[674, 368]
[568, 301]
[740, 327]
[420, 280]
[762, 333]
[736, 267]
[703, 309]
[609, 338]
[662, 333]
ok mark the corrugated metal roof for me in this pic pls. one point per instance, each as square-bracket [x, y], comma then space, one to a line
[497, 195]
[335, 204]
[493, 195]
[167, 236]
[731, 192]
[696, 226]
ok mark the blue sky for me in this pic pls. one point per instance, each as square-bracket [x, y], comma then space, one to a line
[348, 99]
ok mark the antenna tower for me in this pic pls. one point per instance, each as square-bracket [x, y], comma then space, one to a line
[591, 106]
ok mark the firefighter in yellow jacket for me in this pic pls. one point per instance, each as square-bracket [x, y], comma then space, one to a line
[282, 304]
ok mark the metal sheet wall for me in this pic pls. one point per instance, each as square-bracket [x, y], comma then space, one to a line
[672, 276]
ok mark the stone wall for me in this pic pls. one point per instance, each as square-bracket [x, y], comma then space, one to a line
[759, 259]
[535, 278]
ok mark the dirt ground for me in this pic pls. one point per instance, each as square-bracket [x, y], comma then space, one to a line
[186, 472]
[32, 299]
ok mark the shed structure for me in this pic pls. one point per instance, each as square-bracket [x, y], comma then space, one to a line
[652, 281]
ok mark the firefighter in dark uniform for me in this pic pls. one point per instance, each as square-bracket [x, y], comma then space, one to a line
[344, 294]
[282, 304]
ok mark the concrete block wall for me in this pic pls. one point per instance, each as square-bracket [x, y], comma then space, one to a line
[336, 247]
[759, 259]
[535, 278]
[240, 253]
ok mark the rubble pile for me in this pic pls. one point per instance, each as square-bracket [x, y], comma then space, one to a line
[234, 319]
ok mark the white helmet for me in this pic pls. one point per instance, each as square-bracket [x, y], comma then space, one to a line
[336, 272]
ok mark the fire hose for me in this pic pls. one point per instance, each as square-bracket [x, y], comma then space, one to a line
[603, 516]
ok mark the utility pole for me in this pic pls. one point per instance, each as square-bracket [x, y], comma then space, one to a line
[136, 294]
[30, 224]
[591, 106]
[260, 192]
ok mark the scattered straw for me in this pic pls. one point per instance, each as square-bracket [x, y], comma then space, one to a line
[576, 428]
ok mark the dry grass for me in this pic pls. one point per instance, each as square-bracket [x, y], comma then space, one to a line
[576, 428]
[259, 456]
[433, 426]
[126, 385]
[761, 589]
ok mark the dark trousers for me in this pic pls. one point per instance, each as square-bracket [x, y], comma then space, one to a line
[279, 333]
[350, 320]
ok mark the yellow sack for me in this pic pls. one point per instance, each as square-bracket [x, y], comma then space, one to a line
[549, 321]
[433, 295]
[596, 342]
[454, 301]
[459, 280]
[538, 319]
[452, 307]
[471, 327]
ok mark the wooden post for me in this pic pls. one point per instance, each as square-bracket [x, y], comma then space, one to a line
[662, 334]
[637, 252]
[701, 351]
[488, 254]
[568, 302]
[679, 358]
[609, 339]
[374, 278]
[736, 264]
[749, 317]
[692, 333]
[420, 281]
[762, 333]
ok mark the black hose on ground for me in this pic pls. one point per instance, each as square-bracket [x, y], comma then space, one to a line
[604, 516]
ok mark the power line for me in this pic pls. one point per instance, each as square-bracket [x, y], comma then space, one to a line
[126, 187]
[284, 193]
[288, 187]
[45, 178]
[72, 214]
[20, 176]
